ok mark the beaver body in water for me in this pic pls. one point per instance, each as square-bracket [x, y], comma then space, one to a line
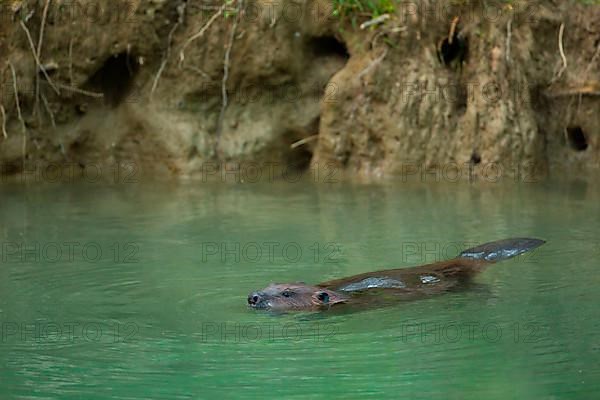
[380, 287]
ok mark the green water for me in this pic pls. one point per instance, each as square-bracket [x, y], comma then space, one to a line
[139, 291]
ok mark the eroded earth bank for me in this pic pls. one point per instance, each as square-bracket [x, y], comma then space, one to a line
[174, 86]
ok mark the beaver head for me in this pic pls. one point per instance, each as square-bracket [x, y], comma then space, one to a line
[294, 296]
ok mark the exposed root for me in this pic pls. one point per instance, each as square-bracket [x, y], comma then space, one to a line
[373, 64]
[48, 110]
[386, 31]
[224, 98]
[274, 19]
[592, 61]
[198, 71]
[163, 64]
[80, 91]
[508, 39]
[18, 104]
[39, 51]
[375, 21]
[3, 112]
[303, 141]
[71, 80]
[561, 49]
[452, 30]
[201, 32]
[37, 60]
[588, 89]
[42, 26]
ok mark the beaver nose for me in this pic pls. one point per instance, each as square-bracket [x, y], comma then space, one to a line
[254, 298]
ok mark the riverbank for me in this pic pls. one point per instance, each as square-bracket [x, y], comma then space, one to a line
[174, 86]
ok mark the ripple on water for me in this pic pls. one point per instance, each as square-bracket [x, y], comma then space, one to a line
[175, 302]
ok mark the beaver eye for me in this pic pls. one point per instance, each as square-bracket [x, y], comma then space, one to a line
[286, 293]
[324, 297]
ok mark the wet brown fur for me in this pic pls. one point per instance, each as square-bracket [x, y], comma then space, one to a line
[451, 273]
[391, 285]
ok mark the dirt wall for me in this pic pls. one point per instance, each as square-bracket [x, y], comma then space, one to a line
[143, 83]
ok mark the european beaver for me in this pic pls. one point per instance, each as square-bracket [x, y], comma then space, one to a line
[378, 287]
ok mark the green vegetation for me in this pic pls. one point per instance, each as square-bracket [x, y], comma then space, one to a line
[371, 8]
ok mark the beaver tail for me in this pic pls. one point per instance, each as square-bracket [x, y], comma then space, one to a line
[501, 249]
[474, 260]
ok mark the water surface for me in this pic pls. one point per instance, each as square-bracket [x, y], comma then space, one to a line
[139, 291]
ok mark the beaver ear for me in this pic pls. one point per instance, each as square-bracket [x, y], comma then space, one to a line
[323, 297]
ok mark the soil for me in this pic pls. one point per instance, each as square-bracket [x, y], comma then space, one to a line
[141, 83]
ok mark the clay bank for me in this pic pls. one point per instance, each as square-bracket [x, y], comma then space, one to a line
[175, 88]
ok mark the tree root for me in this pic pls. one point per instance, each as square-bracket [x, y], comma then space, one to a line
[80, 91]
[48, 110]
[19, 114]
[3, 112]
[302, 142]
[71, 62]
[375, 21]
[587, 89]
[561, 50]
[373, 64]
[37, 60]
[163, 64]
[508, 39]
[39, 52]
[224, 102]
[200, 33]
